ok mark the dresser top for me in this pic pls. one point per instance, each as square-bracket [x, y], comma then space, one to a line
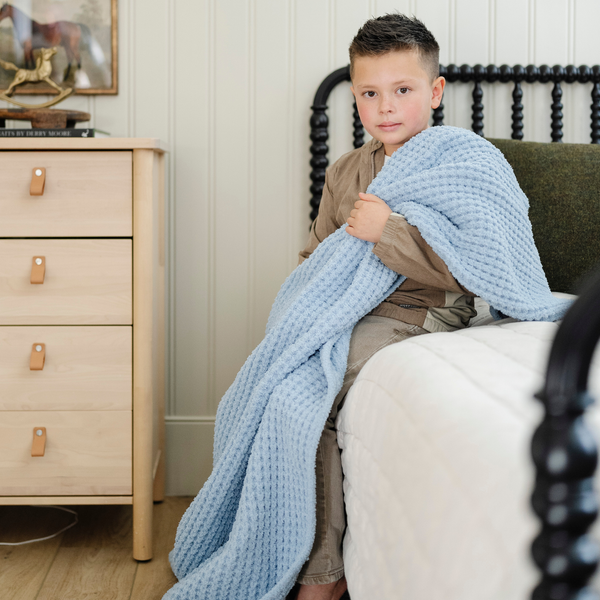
[108, 143]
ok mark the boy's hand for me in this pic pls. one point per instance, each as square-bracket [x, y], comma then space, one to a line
[368, 218]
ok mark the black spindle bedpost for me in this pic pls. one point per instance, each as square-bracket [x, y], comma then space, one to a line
[477, 107]
[557, 106]
[595, 106]
[557, 124]
[565, 455]
[319, 134]
[517, 106]
[358, 129]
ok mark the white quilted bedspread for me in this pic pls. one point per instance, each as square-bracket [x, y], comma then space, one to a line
[435, 437]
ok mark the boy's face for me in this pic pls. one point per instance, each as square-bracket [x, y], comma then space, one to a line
[394, 95]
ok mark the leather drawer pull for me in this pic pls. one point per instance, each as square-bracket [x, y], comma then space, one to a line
[38, 357]
[38, 269]
[38, 446]
[38, 181]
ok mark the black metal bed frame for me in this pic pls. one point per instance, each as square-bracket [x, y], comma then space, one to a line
[563, 447]
[319, 122]
[565, 456]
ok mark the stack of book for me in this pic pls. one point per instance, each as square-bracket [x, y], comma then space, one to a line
[45, 133]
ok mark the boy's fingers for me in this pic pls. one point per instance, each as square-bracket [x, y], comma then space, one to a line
[350, 230]
[370, 198]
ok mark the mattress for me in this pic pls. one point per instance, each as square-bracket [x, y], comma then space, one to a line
[435, 437]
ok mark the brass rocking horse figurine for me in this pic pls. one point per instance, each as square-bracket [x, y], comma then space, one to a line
[41, 73]
[39, 114]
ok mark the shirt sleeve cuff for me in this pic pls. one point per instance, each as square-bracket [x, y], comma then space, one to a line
[389, 237]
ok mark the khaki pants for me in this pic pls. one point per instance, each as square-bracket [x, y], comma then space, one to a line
[325, 563]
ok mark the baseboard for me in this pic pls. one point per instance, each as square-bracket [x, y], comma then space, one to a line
[189, 446]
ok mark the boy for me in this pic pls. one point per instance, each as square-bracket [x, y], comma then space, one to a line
[394, 67]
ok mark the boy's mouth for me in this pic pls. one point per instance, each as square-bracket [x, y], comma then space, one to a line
[388, 125]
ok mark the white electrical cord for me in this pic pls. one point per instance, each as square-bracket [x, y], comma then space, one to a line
[76, 520]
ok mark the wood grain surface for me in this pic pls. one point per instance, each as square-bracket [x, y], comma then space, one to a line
[91, 560]
[86, 368]
[110, 143]
[87, 282]
[86, 453]
[85, 194]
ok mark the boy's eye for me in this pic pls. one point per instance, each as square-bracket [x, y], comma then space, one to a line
[370, 94]
[402, 90]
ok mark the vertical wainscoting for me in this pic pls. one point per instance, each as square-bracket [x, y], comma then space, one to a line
[229, 84]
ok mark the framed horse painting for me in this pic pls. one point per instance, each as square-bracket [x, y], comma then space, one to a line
[84, 33]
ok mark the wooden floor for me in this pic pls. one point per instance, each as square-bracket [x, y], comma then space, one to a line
[89, 561]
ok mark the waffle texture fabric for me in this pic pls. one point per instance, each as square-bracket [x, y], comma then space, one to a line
[463, 197]
[251, 528]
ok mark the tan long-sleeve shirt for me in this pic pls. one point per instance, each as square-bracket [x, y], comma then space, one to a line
[430, 297]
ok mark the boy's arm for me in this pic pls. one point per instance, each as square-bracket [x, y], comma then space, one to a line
[325, 223]
[399, 245]
[402, 249]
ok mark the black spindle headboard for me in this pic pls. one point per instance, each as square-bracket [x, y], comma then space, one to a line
[319, 122]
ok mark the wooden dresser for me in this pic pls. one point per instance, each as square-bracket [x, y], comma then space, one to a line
[82, 324]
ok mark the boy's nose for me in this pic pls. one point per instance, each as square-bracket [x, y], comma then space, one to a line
[385, 106]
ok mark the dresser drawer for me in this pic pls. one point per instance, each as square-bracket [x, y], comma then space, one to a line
[86, 194]
[84, 368]
[86, 453]
[86, 282]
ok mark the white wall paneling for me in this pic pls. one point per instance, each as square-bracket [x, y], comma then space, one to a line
[189, 454]
[192, 226]
[229, 85]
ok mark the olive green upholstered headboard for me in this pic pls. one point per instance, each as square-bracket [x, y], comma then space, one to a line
[562, 182]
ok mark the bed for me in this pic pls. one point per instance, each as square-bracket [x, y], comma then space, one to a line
[437, 433]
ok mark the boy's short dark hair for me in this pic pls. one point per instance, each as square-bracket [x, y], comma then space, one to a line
[393, 32]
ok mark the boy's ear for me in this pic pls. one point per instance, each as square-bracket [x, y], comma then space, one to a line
[352, 90]
[437, 91]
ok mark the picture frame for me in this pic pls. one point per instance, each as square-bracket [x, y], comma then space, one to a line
[84, 31]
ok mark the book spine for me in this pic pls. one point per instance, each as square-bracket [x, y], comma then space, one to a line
[46, 133]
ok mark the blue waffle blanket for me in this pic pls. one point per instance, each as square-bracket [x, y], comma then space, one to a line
[251, 528]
